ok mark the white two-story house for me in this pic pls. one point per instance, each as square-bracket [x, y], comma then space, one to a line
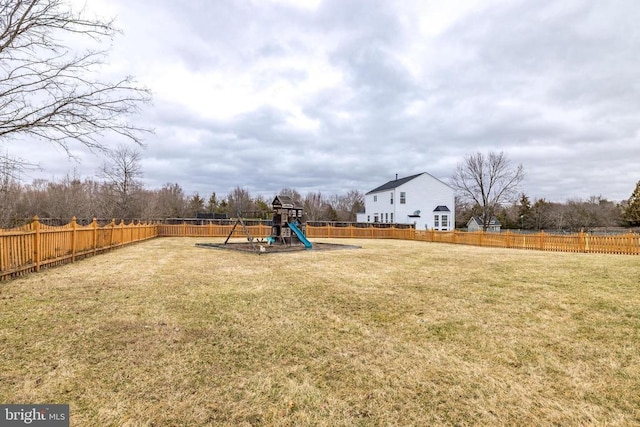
[419, 199]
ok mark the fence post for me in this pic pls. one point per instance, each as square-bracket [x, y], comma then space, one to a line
[542, 240]
[94, 224]
[74, 226]
[112, 226]
[629, 242]
[581, 242]
[36, 243]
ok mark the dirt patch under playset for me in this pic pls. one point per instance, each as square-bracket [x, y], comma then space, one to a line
[264, 248]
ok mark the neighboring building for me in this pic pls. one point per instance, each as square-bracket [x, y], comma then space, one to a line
[421, 199]
[475, 224]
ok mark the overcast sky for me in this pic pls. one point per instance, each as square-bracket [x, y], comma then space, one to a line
[337, 95]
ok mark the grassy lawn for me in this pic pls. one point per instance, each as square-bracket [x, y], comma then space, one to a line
[396, 333]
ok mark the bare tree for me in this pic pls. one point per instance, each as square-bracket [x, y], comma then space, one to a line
[51, 92]
[148, 204]
[558, 217]
[487, 181]
[9, 190]
[295, 196]
[239, 202]
[69, 197]
[594, 212]
[354, 203]
[314, 206]
[171, 201]
[345, 207]
[121, 173]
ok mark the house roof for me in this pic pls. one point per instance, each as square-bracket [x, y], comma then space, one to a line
[398, 182]
[441, 209]
[394, 183]
[493, 221]
[284, 202]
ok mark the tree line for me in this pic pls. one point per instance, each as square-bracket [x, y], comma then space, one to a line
[488, 187]
[572, 215]
[116, 192]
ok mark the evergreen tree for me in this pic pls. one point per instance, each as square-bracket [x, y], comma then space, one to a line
[195, 206]
[632, 210]
[524, 212]
[540, 211]
[263, 209]
[212, 205]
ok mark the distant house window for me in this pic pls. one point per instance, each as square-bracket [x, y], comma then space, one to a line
[368, 218]
[375, 217]
[375, 198]
[392, 197]
[445, 221]
[436, 221]
[391, 216]
[386, 217]
[403, 197]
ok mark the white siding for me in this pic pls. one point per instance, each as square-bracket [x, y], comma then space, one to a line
[423, 193]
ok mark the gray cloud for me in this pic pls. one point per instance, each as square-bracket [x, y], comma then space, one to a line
[266, 95]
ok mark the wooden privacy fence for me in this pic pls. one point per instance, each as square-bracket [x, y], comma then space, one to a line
[263, 230]
[623, 244]
[35, 245]
[212, 230]
[628, 243]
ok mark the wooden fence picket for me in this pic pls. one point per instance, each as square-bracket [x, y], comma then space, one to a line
[29, 248]
[36, 245]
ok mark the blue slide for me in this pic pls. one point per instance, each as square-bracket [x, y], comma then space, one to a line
[303, 239]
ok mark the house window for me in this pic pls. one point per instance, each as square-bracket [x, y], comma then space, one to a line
[445, 222]
[392, 197]
[375, 217]
[368, 218]
[391, 216]
[436, 221]
[386, 217]
[403, 197]
[375, 198]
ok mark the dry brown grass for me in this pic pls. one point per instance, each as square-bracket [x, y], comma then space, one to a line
[396, 333]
